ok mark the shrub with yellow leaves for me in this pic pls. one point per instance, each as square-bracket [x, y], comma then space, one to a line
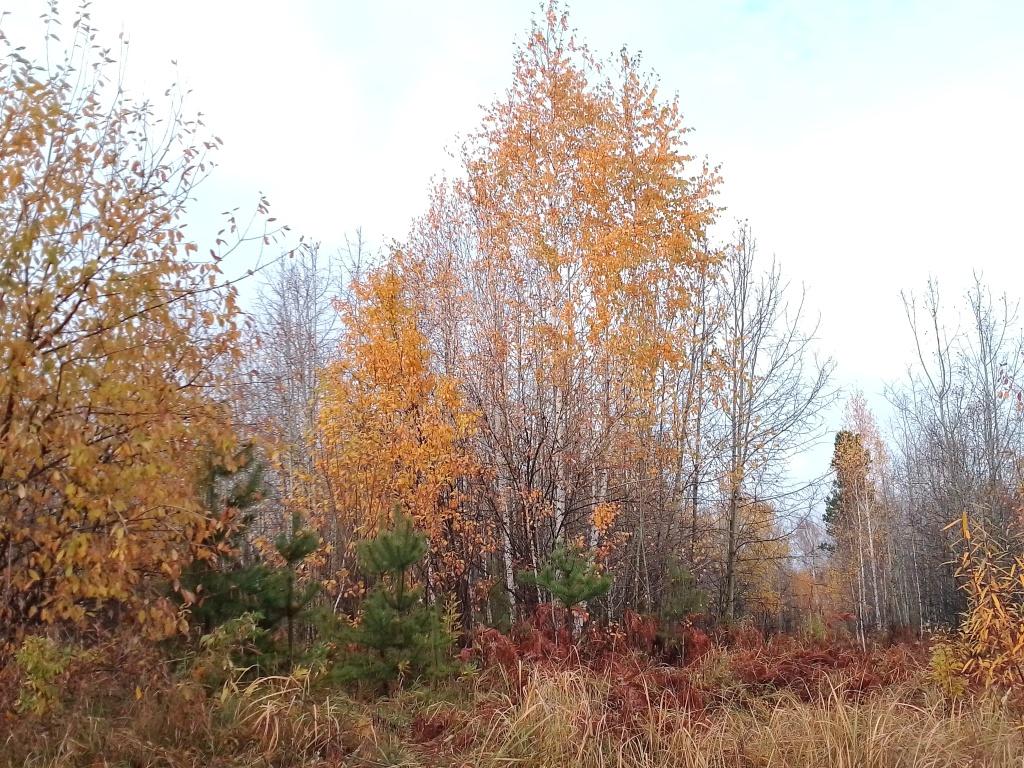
[114, 340]
[989, 646]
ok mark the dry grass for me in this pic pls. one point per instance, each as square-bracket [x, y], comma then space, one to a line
[772, 706]
[565, 719]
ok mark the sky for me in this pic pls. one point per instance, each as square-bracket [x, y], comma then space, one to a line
[871, 144]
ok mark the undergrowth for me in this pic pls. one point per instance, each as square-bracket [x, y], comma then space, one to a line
[524, 699]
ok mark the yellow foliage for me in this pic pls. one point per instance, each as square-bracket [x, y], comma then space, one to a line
[603, 517]
[112, 340]
[563, 263]
[760, 563]
[945, 669]
[395, 432]
[990, 643]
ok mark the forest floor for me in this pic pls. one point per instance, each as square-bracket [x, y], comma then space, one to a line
[615, 699]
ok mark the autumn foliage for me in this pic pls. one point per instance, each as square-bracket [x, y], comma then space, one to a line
[113, 336]
[989, 645]
[395, 431]
[553, 279]
[532, 459]
[115, 340]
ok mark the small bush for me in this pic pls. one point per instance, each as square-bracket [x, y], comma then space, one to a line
[945, 670]
[228, 650]
[42, 663]
[989, 646]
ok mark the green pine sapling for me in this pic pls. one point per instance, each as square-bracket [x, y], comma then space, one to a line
[571, 577]
[398, 636]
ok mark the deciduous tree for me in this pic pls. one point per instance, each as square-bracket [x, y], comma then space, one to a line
[114, 338]
[396, 433]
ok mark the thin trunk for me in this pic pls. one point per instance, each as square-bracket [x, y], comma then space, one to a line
[506, 548]
[874, 566]
[861, 589]
[560, 473]
[730, 556]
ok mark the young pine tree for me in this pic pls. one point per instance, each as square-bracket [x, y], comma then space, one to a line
[571, 578]
[399, 636]
[285, 598]
[233, 582]
[681, 595]
[229, 582]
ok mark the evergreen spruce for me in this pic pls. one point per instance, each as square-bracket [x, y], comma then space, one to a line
[840, 499]
[399, 636]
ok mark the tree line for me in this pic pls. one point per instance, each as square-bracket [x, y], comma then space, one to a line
[561, 359]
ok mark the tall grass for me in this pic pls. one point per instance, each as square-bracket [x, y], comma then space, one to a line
[631, 713]
[565, 718]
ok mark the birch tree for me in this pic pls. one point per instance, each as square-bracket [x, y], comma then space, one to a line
[774, 396]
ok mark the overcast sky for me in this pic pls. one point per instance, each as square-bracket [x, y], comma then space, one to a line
[870, 143]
